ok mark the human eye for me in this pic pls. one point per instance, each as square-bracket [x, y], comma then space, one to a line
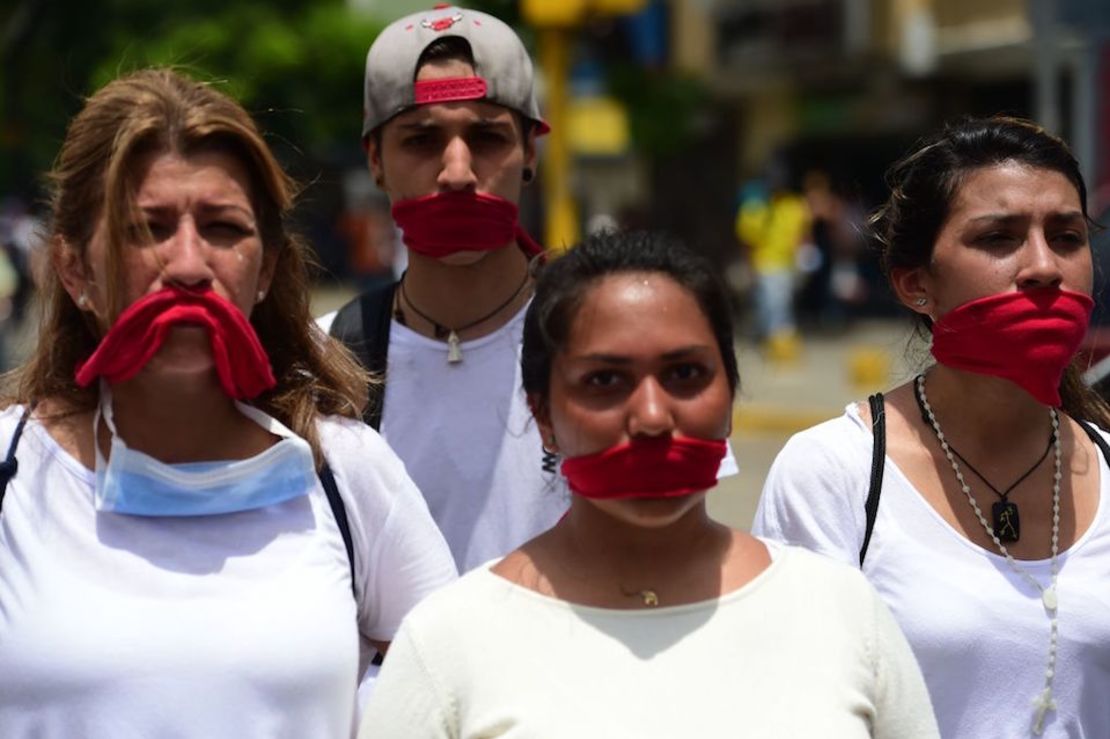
[1070, 238]
[686, 376]
[996, 239]
[601, 379]
[150, 231]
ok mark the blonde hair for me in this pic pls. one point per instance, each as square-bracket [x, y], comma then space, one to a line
[160, 110]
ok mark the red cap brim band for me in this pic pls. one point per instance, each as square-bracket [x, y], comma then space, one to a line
[448, 90]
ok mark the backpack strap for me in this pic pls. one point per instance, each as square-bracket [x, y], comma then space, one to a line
[331, 490]
[878, 462]
[10, 465]
[363, 326]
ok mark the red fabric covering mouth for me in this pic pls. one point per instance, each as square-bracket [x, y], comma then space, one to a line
[138, 333]
[654, 467]
[445, 223]
[1025, 336]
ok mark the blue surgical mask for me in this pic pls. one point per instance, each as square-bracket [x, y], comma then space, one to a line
[137, 484]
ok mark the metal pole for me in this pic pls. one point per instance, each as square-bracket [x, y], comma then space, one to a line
[562, 217]
[1046, 95]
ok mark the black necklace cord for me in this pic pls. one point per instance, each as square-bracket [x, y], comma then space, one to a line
[1001, 494]
[438, 328]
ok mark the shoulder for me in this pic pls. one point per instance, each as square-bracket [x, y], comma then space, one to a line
[370, 476]
[821, 576]
[472, 604]
[838, 447]
[325, 321]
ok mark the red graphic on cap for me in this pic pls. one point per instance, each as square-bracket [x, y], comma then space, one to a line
[441, 24]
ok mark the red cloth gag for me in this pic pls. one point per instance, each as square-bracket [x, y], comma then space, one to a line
[652, 467]
[241, 362]
[448, 222]
[1025, 336]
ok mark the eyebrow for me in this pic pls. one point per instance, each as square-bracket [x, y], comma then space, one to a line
[680, 353]
[427, 125]
[1067, 215]
[205, 208]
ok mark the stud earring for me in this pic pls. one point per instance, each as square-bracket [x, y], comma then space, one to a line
[920, 301]
[83, 301]
[527, 175]
[260, 296]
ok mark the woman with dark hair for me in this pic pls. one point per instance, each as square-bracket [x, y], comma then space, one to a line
[982, 523]
[199, 537]
[636, 614]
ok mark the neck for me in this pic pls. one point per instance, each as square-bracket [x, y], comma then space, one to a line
[988, 413]
[457, 295]
[637, 552]
[180, 421]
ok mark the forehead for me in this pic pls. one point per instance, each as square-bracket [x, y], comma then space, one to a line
[1013, 187]
[467, 112]
[634, 311]
[211, 173]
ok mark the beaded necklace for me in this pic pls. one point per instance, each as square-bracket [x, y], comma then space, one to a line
[1043, 702]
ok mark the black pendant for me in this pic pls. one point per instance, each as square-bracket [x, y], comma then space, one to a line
[1007, 525]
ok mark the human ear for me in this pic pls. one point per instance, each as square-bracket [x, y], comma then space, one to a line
[913, 288]
[74, 274]
[374, 159]
[540, 411]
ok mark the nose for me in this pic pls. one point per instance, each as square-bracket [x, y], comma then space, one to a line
[185, 257]
[457, 172]
[650, 412]
[1040, 263]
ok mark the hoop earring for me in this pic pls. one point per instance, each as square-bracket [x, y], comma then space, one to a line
[527, 175]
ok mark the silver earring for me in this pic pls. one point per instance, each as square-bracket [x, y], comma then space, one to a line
[921, 301]
[83, 301]
[260, 297]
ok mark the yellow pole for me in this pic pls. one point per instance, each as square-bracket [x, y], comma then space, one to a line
[562, 216]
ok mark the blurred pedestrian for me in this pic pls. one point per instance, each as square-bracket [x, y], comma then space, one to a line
[199, 537]
[975, 497]
[773, 228]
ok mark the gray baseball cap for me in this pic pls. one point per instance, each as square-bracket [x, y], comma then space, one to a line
[502, 66]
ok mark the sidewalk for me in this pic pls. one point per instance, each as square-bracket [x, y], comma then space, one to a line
[777, 401]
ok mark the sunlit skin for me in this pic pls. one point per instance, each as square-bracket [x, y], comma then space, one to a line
[1010, 227]
[640, 360]
[198, 229]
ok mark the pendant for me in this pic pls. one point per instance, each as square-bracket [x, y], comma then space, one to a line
[1007, 525]
[651, 600]
[454, 351]
[1048, 595]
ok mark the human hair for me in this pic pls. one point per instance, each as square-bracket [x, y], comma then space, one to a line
[924, 184]
[563, 284]
[95, 174]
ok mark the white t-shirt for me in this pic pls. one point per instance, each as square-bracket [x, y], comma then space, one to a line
[979, 631]
[468, 439]
[804, 650]
[236, 625]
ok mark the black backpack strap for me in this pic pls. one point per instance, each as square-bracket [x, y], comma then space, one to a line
[331, 490]
[10, 465]
[363, 326]
[878, 462]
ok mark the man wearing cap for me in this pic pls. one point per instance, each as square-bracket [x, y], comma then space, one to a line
[449, 128]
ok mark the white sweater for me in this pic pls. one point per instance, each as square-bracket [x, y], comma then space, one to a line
[804, 650]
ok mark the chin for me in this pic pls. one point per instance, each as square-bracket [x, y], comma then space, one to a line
[651, 513]
[463, 258]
